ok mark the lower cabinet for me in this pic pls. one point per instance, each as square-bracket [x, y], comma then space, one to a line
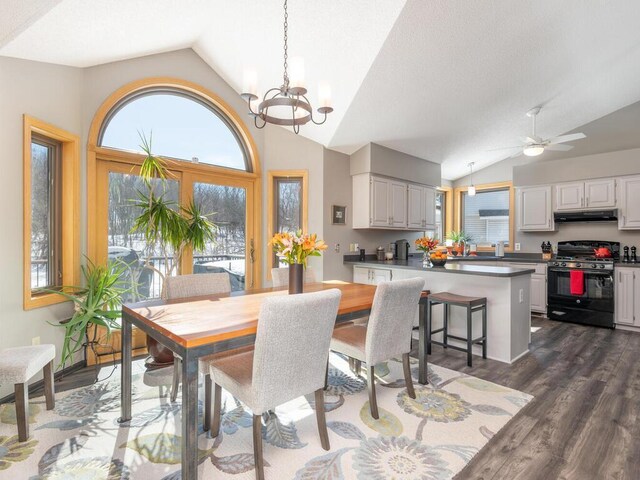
[538, 293]
[371, 276]
[627, 293]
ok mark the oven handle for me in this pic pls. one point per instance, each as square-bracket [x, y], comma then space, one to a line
[597, 272]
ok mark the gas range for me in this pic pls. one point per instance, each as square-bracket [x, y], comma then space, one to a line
[582, 263]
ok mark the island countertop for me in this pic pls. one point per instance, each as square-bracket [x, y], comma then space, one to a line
[416, 264]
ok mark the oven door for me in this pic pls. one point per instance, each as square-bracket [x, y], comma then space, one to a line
[594, 307]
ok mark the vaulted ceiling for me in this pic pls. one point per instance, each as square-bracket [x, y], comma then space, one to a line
[444, 80]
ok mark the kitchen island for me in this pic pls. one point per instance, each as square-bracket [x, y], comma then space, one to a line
[506, 289]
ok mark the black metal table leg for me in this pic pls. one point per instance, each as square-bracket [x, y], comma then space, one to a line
[125, 372]
[189, 417]
[422, 344]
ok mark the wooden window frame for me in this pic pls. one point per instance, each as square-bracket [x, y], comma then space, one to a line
[457, 193]
[448, 211]
[69, 236]
[272, 175]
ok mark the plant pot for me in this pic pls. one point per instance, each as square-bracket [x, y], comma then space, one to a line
[296, 278]
[161, 356]
[458, 249]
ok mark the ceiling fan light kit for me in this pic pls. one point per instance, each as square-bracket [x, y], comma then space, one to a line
[533, 150]
[287, 104]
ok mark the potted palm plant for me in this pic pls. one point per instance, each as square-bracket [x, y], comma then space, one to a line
[167, 227]
[459, 239]
[96, 303]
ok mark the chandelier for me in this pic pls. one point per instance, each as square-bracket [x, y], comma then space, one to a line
[287, 104]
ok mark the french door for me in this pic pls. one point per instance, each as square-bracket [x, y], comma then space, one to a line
[227, 201]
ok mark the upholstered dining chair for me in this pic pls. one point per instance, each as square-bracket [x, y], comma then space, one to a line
[387, 334]
[195, 285]
[280, 276]
[289, 360]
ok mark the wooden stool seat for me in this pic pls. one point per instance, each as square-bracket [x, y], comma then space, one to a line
[472, 304]
[453, 299]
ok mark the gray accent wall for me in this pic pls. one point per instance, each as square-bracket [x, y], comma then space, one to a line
[338, 191]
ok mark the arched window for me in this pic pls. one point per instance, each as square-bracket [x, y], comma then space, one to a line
[183, 126]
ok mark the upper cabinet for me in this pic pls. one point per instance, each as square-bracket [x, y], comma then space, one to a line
[533, 209]
[599, 193]
[380, 202]
[629, 203]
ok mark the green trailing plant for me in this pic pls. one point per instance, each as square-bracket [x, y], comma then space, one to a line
[167, 226]
[96, 303]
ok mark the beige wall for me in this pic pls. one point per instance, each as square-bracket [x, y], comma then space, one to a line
[50, 93]
[337, 191]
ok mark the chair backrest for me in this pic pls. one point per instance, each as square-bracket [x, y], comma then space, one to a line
[280, 276]
[391, 319]
[196, 285]
[292, 345]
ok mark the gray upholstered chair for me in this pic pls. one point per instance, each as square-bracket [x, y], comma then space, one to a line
[289, 360]
[196, 285]
[387, 334]
[17, 366]
[280, 276]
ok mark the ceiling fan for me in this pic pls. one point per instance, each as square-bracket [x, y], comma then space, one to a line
[534, 145]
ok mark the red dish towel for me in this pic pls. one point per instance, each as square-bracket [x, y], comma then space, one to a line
[577, 282]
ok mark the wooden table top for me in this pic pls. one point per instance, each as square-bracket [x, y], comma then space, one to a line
[196, 321]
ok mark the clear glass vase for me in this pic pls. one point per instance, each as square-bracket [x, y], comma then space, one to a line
[426, 260]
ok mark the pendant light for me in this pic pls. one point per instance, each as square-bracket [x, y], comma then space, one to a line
[471, 191]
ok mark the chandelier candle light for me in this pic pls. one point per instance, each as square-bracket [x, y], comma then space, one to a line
[287, 104]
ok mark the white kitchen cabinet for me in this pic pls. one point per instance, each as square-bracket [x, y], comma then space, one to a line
[629, 203]
[627, 304]
[415, 206]
[534, 211]
[421, 203]
[600, 193]
[386, 203]
[398, 204]
[371, 276]
[538, 293]
[570, 196]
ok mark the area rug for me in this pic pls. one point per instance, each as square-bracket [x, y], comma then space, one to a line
[432, 437]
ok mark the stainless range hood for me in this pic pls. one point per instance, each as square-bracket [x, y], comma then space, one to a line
[586, 216]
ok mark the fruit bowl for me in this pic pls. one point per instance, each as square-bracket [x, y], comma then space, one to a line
[438, 259]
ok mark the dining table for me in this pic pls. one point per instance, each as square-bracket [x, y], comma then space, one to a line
[196, 327]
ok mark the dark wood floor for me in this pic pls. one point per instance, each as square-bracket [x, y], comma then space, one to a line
[584, 422]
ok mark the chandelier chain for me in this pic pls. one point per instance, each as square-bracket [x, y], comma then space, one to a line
[286, 27]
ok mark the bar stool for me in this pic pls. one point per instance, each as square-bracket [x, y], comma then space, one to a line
[472, 304]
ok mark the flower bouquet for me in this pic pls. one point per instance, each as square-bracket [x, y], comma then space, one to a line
[294, 248]
[426, 245]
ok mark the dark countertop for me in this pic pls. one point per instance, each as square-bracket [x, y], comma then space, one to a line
[416, 264]
[626, 265]
[482, 257]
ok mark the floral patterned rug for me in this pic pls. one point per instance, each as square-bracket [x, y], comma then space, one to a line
[432, 437]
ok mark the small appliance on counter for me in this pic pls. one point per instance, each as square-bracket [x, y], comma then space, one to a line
[402, 249]
[380, 253]
[500, 249]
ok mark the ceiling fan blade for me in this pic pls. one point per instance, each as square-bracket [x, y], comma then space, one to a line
[559, 147]
[566, 138]
[530, 140]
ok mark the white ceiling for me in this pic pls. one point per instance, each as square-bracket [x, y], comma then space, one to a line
[445, 80]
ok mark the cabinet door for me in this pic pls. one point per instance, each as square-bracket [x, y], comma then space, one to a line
[361, 275]
[570, 196]
[429, 208]
[380, 200]
[636, 297]
[415, 206]
[624, 296]
[398, 204]
[534, 209]
[380, 275]
[538, 293]
[600, 193]
[629, 195]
